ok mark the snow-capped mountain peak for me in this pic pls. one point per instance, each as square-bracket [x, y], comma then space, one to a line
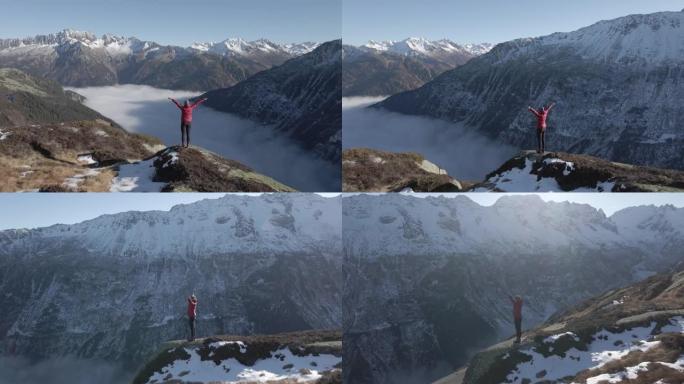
[126, 45]
[241, 47]
[652, 38]
[422, 46]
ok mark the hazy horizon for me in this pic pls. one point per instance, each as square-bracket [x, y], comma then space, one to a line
[177, 22]
[481, 21]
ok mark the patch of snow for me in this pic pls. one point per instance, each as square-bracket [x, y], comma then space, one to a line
[605, 347]
[102, 133]
[630, 373]
[218, 344]
[676, 325]
[74, 181]
[304, 368]
[172, 160]
[677, 365]
[523, 180]
[86, 159]
[569, 165]
[4, 134]
[554, 338]
[136, 177]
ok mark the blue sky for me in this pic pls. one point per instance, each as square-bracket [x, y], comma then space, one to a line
[31, 210]
[177, 22]
[492, 21]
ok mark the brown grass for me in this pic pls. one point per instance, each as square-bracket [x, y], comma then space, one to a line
[50, 153]
[360, 173]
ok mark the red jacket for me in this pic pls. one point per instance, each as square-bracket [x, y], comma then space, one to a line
[186, 112]
[192, 305]
[517, 308]
[541, 116]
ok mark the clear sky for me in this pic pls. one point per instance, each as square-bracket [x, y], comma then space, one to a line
[177, 22]
[33, 210]
[609, 202]
[478, 21]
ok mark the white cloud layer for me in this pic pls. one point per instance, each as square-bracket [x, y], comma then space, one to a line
[466, 155]
[145, 109]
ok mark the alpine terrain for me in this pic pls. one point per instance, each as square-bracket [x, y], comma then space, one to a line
[370, 170]
[52, 142]
[616, 84]
[302, 97]
[296, 357]
[427, 279]
[633, 334]
[79, 59]
[389, 67]
[115, 287]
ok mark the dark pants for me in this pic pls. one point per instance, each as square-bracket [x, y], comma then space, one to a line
[540, 140]
[191, 322]
[185, 134]
[518, 329]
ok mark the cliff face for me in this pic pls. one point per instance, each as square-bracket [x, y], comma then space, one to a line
[615, 84]
[427, 279]
[115, 287]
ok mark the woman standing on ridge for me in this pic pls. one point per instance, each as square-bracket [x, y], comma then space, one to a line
[517, 316]
[186, 118]
[541, 114]
[192, 313]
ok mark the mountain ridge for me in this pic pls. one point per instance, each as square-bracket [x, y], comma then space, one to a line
[416, 268]
[613, 101]
[75, 58]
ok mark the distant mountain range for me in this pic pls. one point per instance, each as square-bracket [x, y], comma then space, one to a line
[389, 67]
[444, 49]
[78, 59]
[617, 85]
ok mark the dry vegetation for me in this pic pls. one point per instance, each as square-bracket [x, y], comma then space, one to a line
[203, 171]
[369, 170]
[45, 157]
